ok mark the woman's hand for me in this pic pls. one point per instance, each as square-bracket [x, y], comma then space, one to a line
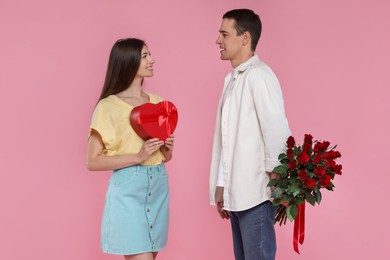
[148, 148]
[167, 148]
[168, 145]
[98, 161]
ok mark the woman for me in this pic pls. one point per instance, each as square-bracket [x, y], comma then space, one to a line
[135, 218]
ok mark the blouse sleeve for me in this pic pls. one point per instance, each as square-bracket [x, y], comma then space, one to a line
[103, 124]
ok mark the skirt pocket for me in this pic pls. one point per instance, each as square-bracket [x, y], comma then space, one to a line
[122, 177]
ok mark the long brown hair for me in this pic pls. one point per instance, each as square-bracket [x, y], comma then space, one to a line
[123, 64]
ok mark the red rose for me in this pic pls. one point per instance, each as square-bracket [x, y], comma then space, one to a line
[332, 154]
[302, 175]
[325, 145]
[321, 146]
[310, 183]
[325, 181]
[337, 169]
[337, 154]
[327, 155]
[290, 142]
[317, 159]
[330, 163]
[303, 158]
[290, 153]
[308, 139]
[292, 165]
[319, 171]
[306, 147]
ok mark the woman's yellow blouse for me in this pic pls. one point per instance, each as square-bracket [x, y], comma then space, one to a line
[111, 119]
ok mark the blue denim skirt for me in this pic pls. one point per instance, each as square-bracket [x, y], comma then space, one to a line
[135, 217]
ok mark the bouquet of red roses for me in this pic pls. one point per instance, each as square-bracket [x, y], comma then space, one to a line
[303, 172]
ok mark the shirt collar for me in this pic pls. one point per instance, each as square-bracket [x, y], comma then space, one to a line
[244, 66]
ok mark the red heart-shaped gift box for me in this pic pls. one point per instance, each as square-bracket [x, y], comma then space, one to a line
[154, 120]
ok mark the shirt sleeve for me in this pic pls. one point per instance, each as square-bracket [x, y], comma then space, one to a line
[103, 124]
[220, 173]
[268, 100]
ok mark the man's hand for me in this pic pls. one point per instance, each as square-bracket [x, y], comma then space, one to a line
[274, 175]
[219, 203]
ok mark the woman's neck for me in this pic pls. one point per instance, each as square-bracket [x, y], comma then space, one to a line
[134, 90]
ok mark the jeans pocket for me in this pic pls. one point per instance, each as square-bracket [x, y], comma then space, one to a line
[273, 212]
[271, 209]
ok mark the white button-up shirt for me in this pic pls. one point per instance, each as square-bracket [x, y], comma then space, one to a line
[251, 130]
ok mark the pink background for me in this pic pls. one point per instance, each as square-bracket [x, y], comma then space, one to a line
[332, 59]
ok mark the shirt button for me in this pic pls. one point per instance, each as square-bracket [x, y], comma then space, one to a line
[148, 210]
[151, 226]
[151, 177]
[150, 194]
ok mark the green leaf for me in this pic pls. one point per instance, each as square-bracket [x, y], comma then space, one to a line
[318, 196]
[276, 202]
[277, 192]
[299, 200]
[282, 156]
[283, 183]
[293, 188]
[281, 169]
[287, 198]
[297, 150]
[310, 198]
[292, 211]
[284, 161]
[310, 166]
[273, 182]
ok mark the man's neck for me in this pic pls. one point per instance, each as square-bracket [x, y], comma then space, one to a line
[240, 60]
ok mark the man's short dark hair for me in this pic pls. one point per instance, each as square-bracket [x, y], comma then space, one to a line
[246, 21]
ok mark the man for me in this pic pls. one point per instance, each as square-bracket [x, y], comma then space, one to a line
[250, 133]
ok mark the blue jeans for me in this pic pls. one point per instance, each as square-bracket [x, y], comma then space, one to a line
[254, 233]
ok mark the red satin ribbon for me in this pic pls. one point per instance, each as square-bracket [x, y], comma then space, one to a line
[165, 115]
[299, 227]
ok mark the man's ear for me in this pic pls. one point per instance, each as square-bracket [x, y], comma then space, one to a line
[246, 38]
